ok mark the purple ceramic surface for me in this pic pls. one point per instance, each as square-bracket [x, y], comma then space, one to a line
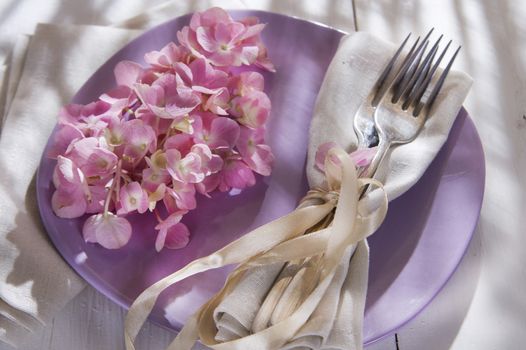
[414, 253]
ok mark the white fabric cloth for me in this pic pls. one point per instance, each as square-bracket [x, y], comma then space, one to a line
[15, 64]
[337, 322]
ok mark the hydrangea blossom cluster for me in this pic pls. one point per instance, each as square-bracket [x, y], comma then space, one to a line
[186, 123]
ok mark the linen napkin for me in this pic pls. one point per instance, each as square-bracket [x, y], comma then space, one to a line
[34, 280]
[350, 77]
[15, 64]
[337, 322]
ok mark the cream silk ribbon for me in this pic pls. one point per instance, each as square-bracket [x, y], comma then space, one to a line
[279, 241]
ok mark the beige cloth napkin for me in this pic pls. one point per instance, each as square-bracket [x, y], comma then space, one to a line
[14, 65]
[352, 74]
[43, 73]
[337, 322]
[34, 280]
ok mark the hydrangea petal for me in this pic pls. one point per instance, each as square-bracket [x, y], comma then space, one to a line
[133, 197]
[68, 205]
[164, 227]
[255, 153]
[321, 154]
[363, 157]
[65, 134]
[127, 73]
[184, 195]
[101, 162]
[110, 230]
[177, 237]
[224, 132]
[96, 200]
[252, 109]
[67, 176]
[169, 55]
[237, 174]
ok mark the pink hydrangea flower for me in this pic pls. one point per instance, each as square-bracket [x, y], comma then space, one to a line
[69, 199]
[246, 82]
[109, 230]
[139, 140]
[236, 174]
[91, 119]
[128, 73]
[252, 109]
[100, 163]
[201, 75]
[187, 122]
[218, 102]
[210, 162]
[210, 82]
[67, 175]
[152, 178]
[168, 97]
[156, 196]
[172, 233]
[183, 124]
[361, 157]
[216, 132]
[177, 237]
[91, 158]
[181, 142]
[195, 166]
[64, 136]
[120, 99]
[133, 197]
[114, 134]
[255, 153]
[262, 60]
[68, 205]
[168, 57]
[96, 198]
[181, 196]
[213, 34]
[157, 161]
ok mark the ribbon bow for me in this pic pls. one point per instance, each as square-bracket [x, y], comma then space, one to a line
[279, 241]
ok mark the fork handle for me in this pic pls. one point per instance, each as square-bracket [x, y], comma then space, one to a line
[370, 171]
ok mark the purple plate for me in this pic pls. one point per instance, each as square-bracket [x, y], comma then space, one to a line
[412, 256]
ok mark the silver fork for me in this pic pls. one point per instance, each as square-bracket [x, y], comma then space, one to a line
[364, 126]
[402, 111]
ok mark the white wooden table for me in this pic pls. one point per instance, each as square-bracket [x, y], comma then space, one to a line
[483, 305]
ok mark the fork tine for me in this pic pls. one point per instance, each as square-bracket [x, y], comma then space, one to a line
[421, 74]
[407, 78]
[420, 90]
[380, 84]
[438, 85]
[409, 60]
[381, 80]
[390, 65]
[406, 64]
